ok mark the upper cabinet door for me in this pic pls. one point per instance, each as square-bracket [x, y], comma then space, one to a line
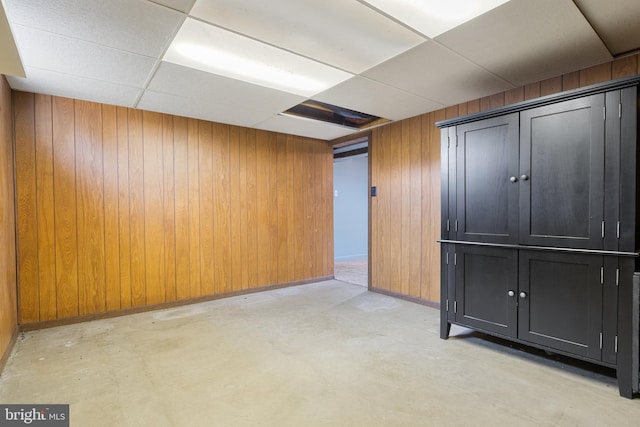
[487, 180]
[562, 174]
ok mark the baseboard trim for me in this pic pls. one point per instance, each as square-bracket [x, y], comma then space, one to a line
[409, 298]
[7, 352]
[145, 308]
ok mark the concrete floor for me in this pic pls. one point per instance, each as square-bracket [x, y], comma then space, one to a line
[325, 354]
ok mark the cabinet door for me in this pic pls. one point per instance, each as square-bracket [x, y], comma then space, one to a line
[486, 187]
[560, 301]
[486, 286]
[562, 174]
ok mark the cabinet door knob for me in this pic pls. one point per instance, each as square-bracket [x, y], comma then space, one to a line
[523, 294]
[513, 179]
[524, 177]
[511, 293]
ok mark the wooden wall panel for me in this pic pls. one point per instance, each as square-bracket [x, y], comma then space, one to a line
[414, 135]
[432, 248]
[169, 208]
[271, 247]
[252, 179]
[121, 208]
[297, 248]
[65, 207]
[90, 207]
[111, 214]
[624, 67]
[392, 171]
[283, 208]
[532, 91]
[45, 209]
[243, 192]
[207, 210]
[181, 194]
[571, 80]
[395, 202]
[264, 214]
[404, 144]
[292, 209]
[428, 194]
[325, 225]
[596, 74]
[153, 183]
[8, 297]
[136, 209]
[381, 153]
[492, 101]
[26, 195]
[510, 97]
[194, 207]
[313, 199]
[124, 236]
[549, 86]
[236, 181]
[221, 210]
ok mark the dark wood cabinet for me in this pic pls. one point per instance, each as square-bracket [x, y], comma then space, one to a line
[562, 174]
[486, 181]
[560, 301]
[539, 236]
[485, 292]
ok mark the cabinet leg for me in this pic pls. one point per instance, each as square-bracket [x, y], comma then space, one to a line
[625, 390]
[445, 328]
[628, 345]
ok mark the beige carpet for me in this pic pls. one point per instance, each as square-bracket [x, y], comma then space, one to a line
[354, 271]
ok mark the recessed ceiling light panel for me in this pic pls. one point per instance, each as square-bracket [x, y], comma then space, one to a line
[212, 49]
[434, 17]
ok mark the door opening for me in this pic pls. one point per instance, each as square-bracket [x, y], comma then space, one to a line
[351, 212]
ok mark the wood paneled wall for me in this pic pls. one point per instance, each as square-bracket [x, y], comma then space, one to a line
[405, 169]
[405, 166]
[8, 300]
[121, 208]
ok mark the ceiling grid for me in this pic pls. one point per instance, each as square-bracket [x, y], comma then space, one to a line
[174, 56]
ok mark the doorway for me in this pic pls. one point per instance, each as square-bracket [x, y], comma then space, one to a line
[350, 212]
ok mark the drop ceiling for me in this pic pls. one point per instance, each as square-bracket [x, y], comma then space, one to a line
[375, 60]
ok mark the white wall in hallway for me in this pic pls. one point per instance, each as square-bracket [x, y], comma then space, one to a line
[350, 207]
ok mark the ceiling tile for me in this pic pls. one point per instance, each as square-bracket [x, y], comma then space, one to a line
[433, 72]
[434, 17]
[71, 56]
[617, 22]
[190, 83]
[303, 127]
[181, 5]
[200, 109]
[68, 86]
[371, 97]
[344, 34]
[525, 41]
[133, 25]
[10, 62]
[209, 48]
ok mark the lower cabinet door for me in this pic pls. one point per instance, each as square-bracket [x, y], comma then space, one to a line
[486, 288]
[560, 301]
